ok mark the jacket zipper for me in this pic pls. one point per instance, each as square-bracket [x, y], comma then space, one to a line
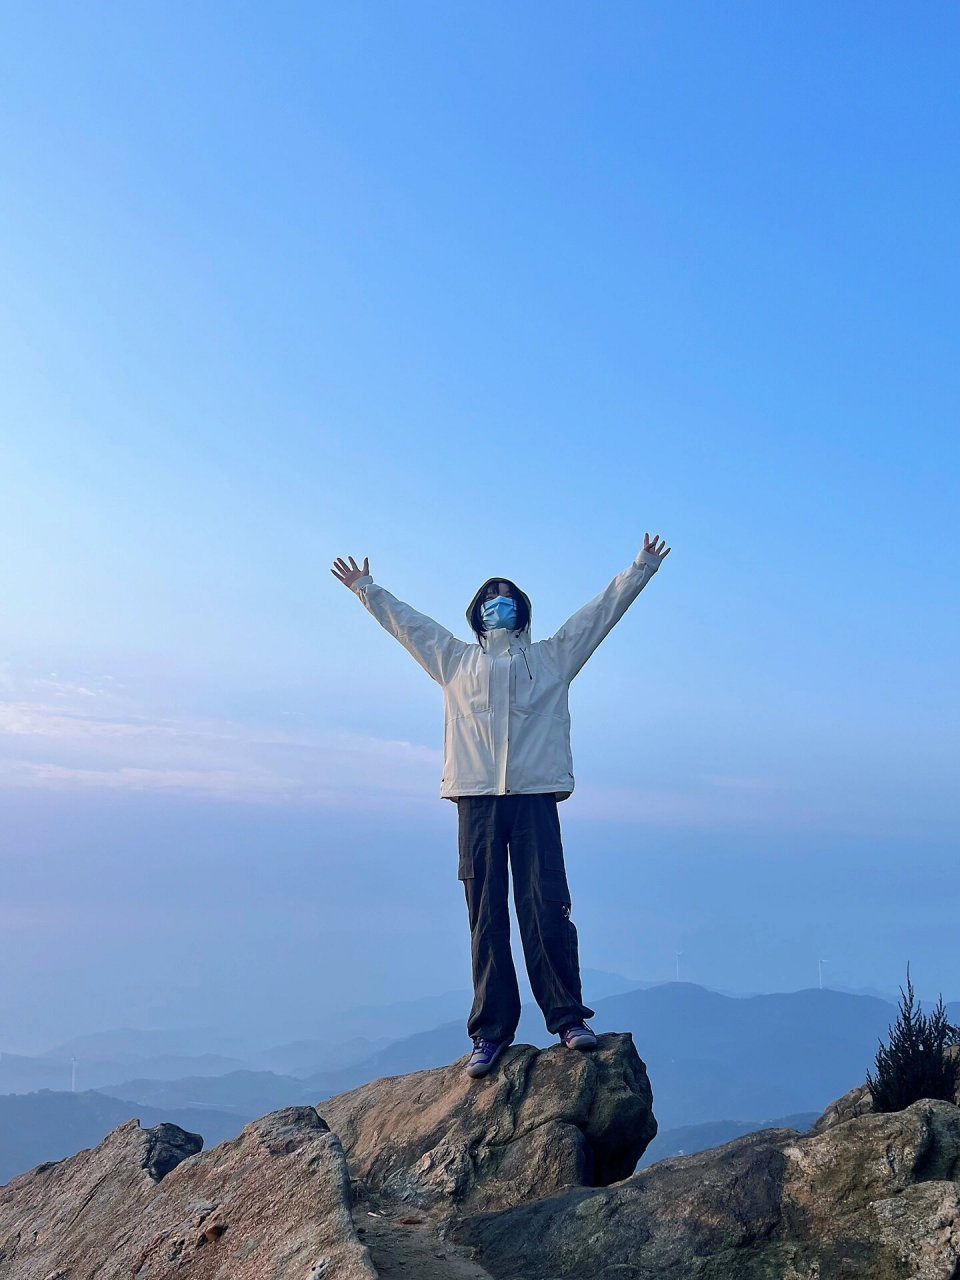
[530, 674]
[526, 664]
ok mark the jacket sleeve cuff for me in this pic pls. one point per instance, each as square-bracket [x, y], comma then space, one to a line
[365, 581]
[649, 558]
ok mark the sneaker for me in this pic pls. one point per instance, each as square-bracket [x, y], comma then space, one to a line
[485, 1053]
[579, 1036]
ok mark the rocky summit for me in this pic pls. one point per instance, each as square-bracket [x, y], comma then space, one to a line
[526, 1174]
[542, 1120]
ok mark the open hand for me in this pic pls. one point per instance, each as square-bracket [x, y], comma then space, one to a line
[649, 545]
[349, 573]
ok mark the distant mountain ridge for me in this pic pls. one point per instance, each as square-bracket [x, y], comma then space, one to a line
[711, 1057]
[41, 1126]
[20, 1073]
[241, 1092]
[109, 1058]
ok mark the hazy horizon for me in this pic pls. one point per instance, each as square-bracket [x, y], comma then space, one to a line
[431, 1012]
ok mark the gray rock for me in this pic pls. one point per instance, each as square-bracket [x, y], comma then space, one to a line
[146, 1203]
[875, 1199]
[543, 1119]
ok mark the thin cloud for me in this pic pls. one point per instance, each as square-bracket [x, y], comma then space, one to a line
[38, 720]
[259, 785]
[52, 747]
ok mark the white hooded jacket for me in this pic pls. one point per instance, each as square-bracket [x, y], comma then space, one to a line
[506, 717]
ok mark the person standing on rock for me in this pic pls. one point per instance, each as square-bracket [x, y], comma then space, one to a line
[506, 765]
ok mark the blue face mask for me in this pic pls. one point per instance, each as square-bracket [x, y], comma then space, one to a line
[501, 612]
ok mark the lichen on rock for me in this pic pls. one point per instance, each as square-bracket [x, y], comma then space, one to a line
[544, 1119]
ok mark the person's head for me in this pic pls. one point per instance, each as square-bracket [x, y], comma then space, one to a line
[491, 590]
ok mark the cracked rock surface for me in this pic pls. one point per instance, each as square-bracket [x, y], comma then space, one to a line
[874, 1198]
[542, 1120]
[147, 1204]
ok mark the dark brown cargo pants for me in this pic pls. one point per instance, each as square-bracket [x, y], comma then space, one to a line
[527, 829]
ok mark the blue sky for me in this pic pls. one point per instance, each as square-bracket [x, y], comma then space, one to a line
[473, 290]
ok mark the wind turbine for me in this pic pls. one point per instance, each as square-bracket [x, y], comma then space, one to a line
[820, 964]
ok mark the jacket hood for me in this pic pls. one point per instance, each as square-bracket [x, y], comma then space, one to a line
[479, 595]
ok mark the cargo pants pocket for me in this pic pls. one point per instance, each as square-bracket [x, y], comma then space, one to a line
[466, 837]
[554, 887]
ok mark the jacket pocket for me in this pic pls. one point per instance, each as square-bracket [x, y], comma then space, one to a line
[469, 692]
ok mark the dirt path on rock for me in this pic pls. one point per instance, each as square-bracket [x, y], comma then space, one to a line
[404, 1245]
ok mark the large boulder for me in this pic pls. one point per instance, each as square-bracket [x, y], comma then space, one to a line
[542, 1120]
[881, 1188]
[876, 1198]
[147, 1203]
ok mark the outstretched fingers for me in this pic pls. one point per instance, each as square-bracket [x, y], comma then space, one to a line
[349, 573]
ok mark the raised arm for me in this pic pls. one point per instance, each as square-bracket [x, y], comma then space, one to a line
[580, 635]
[436, 649]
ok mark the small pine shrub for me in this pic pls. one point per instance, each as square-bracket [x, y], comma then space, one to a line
[913, 1065]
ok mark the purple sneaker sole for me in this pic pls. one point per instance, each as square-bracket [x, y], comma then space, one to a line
[579, 1037]
[484, 1056]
